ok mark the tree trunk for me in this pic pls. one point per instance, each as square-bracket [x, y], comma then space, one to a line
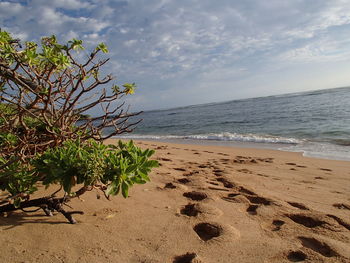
[48, 204]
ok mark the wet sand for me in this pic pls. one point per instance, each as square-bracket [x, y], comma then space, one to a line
[204, 204]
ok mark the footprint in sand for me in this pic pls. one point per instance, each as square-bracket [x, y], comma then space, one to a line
[161, 148]
[223, 154]
[235, 198]
[325, 169]
[246, 171]
[246, 191]
[318, 246]
[251, 160]
[277, 224]
[298, 205]
[187, 258]
[218, 172]
[276, 179]
[301, 166]
[305, 220]
[319, 178]
[196, 196]
[213, 183]
[191, 173]
[180, 169]
[342, 206]
[170, 186]
[225, 182]
[183, 180]
[190, 210]
[207, 231]
[266, 160]
[340, 221]
[263, 175]
[336, 192]
[255, 202]
[252, 209]
[259, 200]
[246, 196]
[296, 256]
[164, 159]
[200, 210]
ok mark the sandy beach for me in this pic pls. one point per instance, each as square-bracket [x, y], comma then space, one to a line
[204, 204]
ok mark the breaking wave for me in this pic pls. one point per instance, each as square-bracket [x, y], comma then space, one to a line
[226, 136]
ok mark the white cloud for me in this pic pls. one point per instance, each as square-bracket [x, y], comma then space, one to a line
[130, 43]
[124, 30]
[8, 9]
[307, 53]
[70, 4]
[320, 50]
[70, 35]
[165, 44]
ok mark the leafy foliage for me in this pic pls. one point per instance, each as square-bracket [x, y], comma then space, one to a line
[92, 163]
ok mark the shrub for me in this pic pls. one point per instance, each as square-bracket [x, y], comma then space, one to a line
[45, 89]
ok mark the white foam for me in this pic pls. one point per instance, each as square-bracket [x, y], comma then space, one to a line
[321, 150]
[226, 136]
[308, 148]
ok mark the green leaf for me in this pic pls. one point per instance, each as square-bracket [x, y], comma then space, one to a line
[125, 189]
[131, 168]
[144, 175]
[129, 88]
[150, 153]
[138, 180]
[120, 144]
[113, 189]
[67, 184]
[75, 44]
[152, 164]
[102, 46]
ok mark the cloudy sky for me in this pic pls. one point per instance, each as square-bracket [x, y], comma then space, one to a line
[183, 52]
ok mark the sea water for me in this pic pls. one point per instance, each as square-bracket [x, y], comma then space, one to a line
[316, 123]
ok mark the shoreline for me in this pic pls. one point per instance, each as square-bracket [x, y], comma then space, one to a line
[204, 204]
[237, 148]
[249, 145]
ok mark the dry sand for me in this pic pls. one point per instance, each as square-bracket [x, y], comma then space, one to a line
[204, 204]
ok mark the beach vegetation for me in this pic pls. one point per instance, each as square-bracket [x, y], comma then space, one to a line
[48, 137]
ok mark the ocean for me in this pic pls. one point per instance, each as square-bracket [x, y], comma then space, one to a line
[316, 123]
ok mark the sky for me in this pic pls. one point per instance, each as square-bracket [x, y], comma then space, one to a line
[186, 52]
